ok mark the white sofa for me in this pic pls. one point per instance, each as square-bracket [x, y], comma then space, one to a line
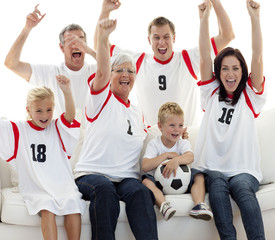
[18, 225]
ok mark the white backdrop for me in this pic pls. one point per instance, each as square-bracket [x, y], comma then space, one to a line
[131, 33]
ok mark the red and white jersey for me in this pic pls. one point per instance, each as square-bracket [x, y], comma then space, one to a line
[227, 140]
[114, 137]
[41, 159]
[45, 75]
[174, 80]
[155, 147]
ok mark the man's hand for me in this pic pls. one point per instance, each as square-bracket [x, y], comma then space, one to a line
[253, 8]
[34, 18]
[110, 5]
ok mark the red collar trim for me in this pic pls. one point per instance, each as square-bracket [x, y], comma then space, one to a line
[164, 62]
[230, 96]
[35, 127]
[121, 101]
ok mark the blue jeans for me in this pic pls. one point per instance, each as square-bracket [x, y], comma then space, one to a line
[104, 197]
[242, 189]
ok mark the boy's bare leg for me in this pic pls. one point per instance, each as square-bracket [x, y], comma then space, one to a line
[156, 191]
[198, 189]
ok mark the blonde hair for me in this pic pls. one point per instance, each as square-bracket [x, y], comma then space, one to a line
[36, 94]
[168, 109]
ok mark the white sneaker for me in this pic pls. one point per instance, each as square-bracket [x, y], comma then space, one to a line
[201, 211]
[167, 211]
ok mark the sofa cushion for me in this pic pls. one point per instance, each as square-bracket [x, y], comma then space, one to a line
[14, 210]
[266, 133]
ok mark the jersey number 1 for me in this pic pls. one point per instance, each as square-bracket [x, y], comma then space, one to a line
[38, 155]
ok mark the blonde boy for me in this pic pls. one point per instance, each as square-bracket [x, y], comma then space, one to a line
[170, 145]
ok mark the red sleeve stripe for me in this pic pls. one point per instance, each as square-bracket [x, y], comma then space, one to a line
[94, 92]
[16, 141]
[249, 104]
[214, 46]
[139, 61]
[105, 103]
[73, 124]
[59, 135]
[90, 79]
[188, 63]
[112, 50]
[250, 85]
[201, 83]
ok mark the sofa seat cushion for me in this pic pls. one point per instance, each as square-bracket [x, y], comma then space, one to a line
[14, 211]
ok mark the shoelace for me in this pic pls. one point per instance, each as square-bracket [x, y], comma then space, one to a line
[165, 207]
[204, 206]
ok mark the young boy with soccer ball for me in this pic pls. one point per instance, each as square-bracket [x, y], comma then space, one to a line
[170, 145]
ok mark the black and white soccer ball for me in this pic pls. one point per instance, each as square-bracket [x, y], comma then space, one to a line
[173, 185]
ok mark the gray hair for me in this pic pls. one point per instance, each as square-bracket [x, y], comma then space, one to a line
[121, 58]
[70, 27]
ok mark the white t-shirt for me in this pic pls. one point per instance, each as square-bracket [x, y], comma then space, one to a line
[114, 137]
[45, 75]
[173, 80]
[227, 140]
[155, 147]
[41, 157]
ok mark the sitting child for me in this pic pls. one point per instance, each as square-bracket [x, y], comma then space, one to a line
[40, 148]
[170, 145]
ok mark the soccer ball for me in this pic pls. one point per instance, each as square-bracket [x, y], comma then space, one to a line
[173, 185]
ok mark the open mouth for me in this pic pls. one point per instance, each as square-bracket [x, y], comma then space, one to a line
[175, 135]
[230, 83]
[77, 54]
[162, 50]
[43, 121]
[124, 83]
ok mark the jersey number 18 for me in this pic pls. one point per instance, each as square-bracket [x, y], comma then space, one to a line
[38, 154]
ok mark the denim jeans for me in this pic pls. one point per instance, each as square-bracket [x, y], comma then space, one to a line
[104, 197]
[242, 189]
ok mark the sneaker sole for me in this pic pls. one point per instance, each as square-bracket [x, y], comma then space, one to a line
[171, 215]
[203, 216]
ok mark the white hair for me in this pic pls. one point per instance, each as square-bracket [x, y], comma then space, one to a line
[121, 58]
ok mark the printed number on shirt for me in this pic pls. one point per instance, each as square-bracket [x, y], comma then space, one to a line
[38, 153]
[227, 115]
[162, 82]
[129, 129]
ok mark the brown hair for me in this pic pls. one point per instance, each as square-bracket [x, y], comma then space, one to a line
[229, 51]
[160, 21]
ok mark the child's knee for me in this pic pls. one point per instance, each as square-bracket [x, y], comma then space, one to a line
[147, 182]
[199, 177]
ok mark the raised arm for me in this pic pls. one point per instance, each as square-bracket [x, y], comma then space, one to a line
[206, 68]
[226, 33]
[107, 7]
[12, 60]
[65, 85]
[257, 45]
[103, 73]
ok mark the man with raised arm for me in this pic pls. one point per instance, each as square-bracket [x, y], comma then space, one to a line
[74, 47]
[166, 75]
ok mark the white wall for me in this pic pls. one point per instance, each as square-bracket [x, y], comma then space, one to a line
[133, 18]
